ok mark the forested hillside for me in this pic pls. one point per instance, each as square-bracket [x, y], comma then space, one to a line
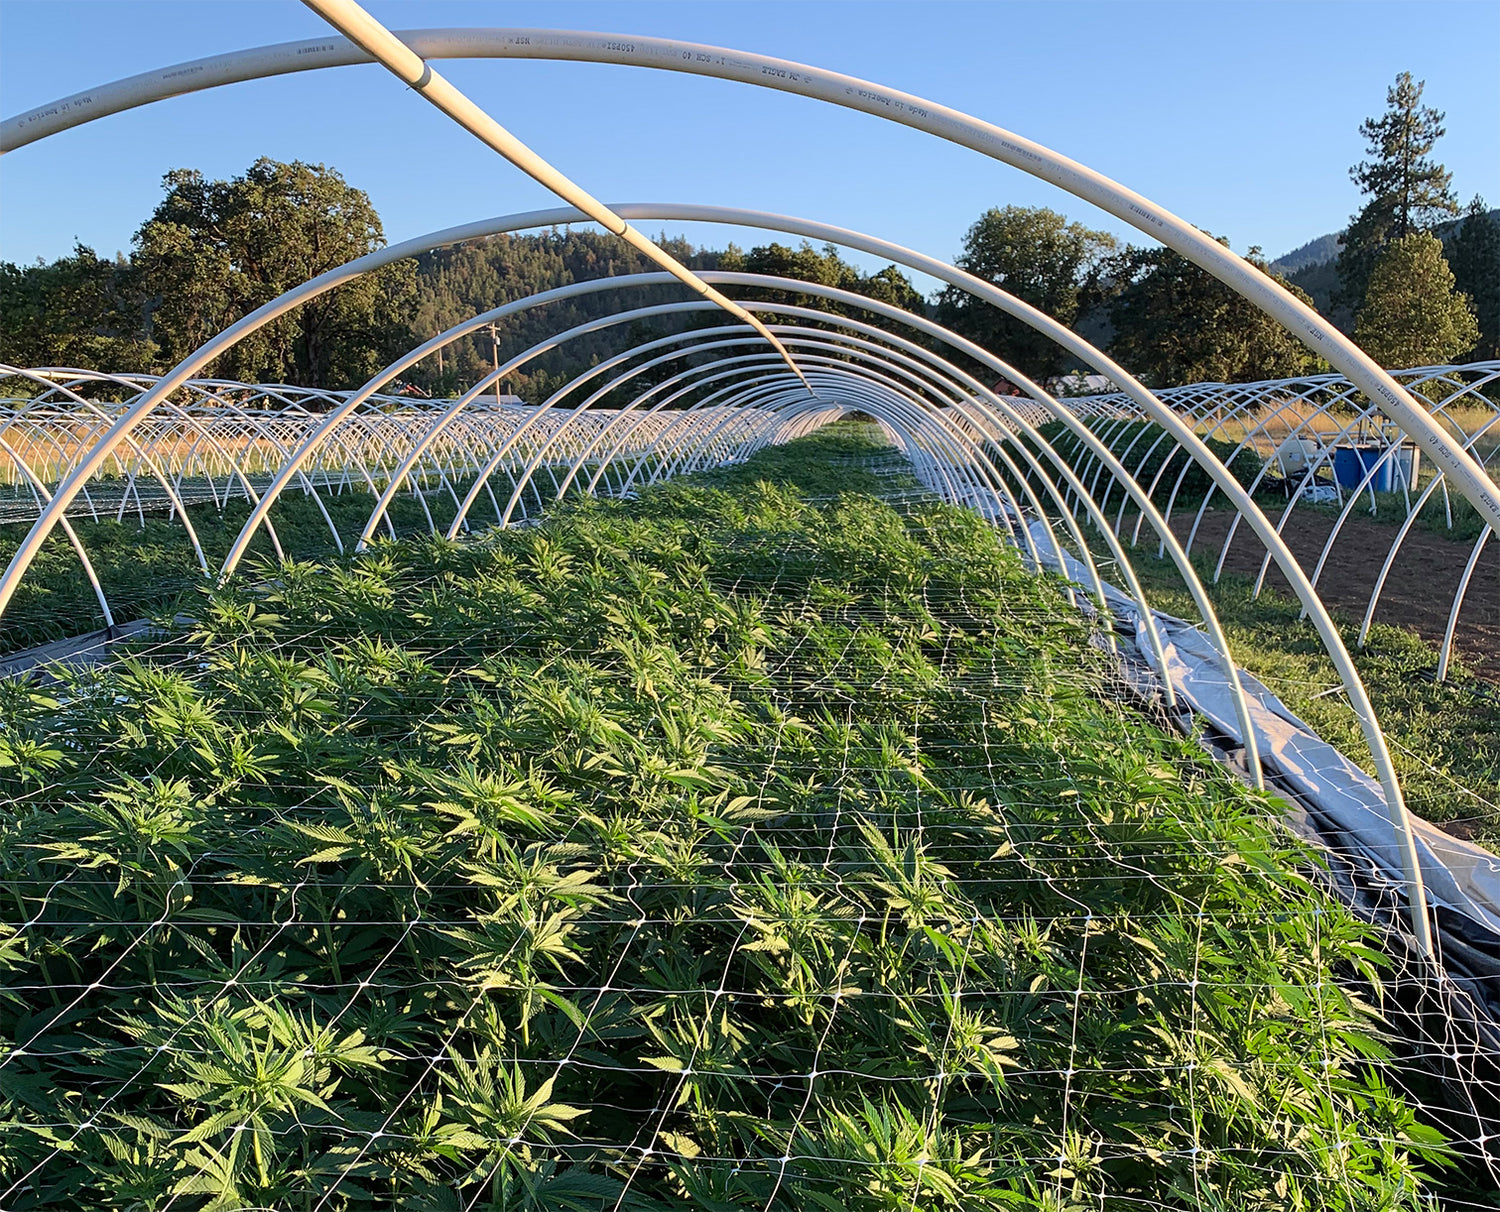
[453, 284]
[1314, 252]
[215, 250]
[1314, 268]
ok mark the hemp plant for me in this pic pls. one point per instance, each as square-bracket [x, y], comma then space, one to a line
[772, 840]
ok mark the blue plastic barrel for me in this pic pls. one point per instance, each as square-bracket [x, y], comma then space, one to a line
[1351, 463]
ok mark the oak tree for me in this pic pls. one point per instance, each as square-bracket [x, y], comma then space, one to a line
[1175, 323]
[1041, 258]
[77, 311]
[214, 251]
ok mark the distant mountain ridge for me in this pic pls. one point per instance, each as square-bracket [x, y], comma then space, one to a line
[1314, 252]
[1323, 249]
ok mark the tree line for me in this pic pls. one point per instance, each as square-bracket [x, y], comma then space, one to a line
[212, 251]
[1407, 297]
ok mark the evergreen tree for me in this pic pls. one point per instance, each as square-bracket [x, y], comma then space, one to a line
[1408, 190]
[1474, 256]
[1038, 256]
[1401, 141]
[1412, 315]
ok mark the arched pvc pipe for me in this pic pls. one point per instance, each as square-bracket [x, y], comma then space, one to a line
[406, 360]
[655, 433]
[805, 415]
[151, 464]
[489, 466]
[1332, 641]
[186, 417]
[88, 568]
[853, 373]
[539, 456]
[761, 394]
[1347, 507]
[857, 390]
[910, 389]
[1082, 546]
[494, 376]
[59, 452]
[388, 50]
[209, 435]
[85, 468]
[510, 367]
[672, 389]
[898, 414]
[263, 433]
[627, 419]
[1368, 481]
[732, 368]
[1385, 569]
[1022, 426]
[1458, 600]
[798, 337]
[1322, 410]
[671, 342]
[917, 351]
[848, 91]
[1325, 393]
[1313, 606]
[886, 370]
[824, 231]
[1185, 567]
[866, 389]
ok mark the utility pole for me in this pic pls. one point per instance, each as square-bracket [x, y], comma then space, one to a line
[495, 353]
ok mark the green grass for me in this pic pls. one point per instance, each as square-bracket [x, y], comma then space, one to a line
[1391, 510]
[752, 844]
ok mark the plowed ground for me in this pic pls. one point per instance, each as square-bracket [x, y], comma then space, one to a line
[1418, 593]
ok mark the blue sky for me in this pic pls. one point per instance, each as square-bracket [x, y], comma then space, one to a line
[1243, 118]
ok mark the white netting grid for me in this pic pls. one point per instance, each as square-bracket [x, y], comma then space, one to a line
[884, 900]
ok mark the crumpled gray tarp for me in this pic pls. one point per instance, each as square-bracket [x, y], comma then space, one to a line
[1458, 875]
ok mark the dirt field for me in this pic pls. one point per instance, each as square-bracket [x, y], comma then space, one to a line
[1418, 593]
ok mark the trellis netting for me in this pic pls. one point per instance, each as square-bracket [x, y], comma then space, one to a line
[707, 798]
